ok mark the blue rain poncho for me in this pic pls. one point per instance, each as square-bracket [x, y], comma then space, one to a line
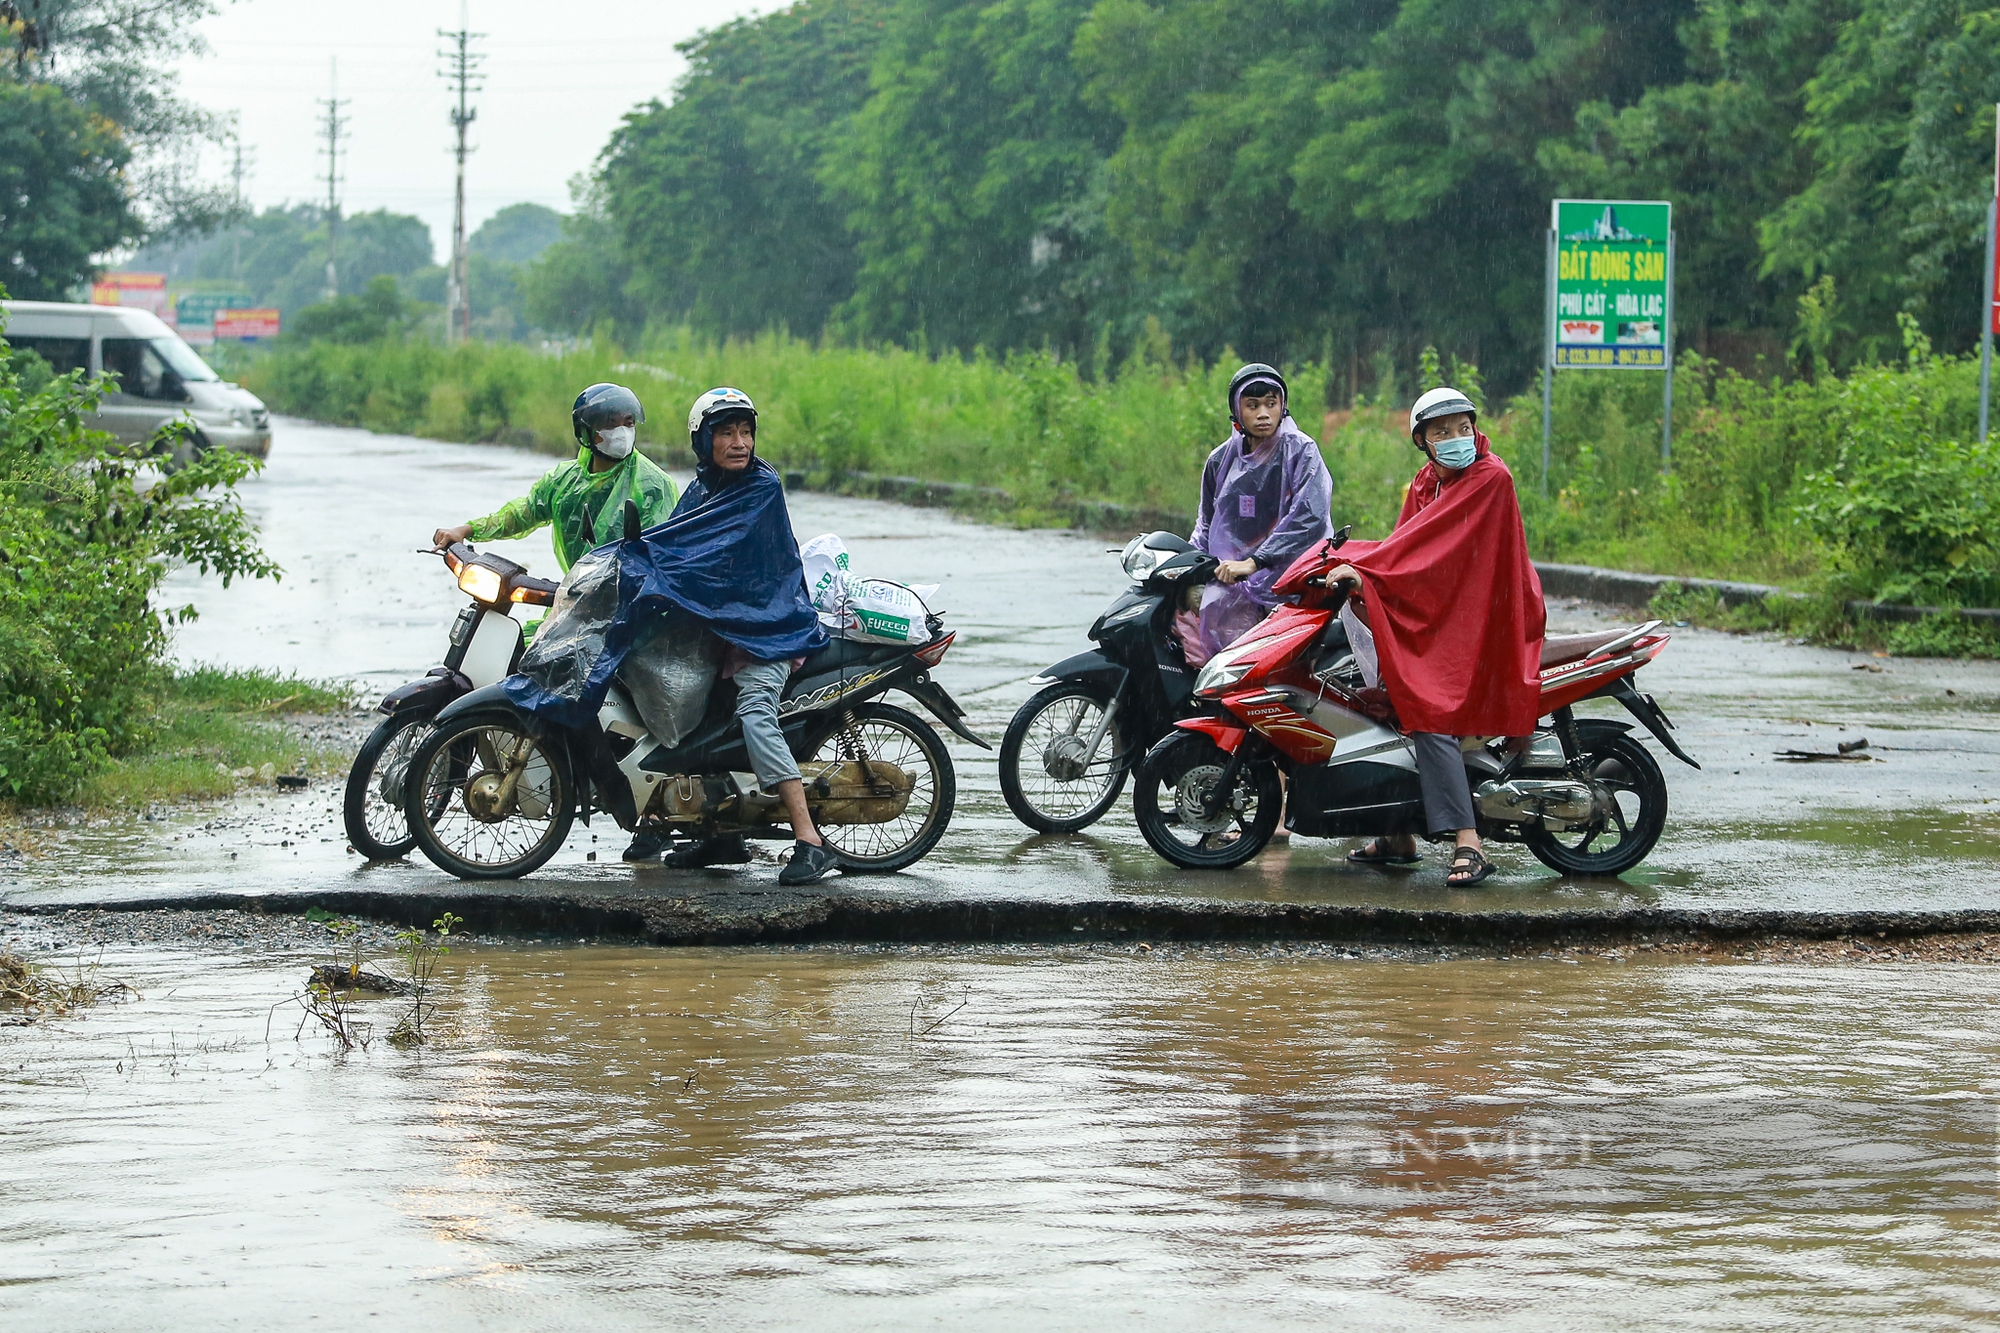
[726, 557]
[1271, 504]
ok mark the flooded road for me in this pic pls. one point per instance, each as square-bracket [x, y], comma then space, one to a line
[344, 511]
[608, 1138]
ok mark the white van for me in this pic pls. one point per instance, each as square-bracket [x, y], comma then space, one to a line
[160, 379]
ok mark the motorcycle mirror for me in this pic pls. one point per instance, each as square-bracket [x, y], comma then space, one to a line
[1339, 539]
[631, 521]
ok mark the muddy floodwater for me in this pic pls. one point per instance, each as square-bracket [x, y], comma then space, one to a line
[612, 1138]
[600, 1137]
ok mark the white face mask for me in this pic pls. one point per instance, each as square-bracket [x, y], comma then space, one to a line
[616, 442]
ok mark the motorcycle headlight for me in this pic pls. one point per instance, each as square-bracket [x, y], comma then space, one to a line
[1229, 666]
[480, 583]
[1141, 560]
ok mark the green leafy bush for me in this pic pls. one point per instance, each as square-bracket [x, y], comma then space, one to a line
[88, 528]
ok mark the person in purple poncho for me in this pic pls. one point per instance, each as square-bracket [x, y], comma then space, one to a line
[1265, 498]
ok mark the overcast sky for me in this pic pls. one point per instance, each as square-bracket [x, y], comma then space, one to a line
[552, 96]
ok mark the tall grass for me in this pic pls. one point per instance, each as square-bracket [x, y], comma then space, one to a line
[1855, 485]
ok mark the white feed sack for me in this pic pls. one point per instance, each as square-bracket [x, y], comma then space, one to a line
[869, 610]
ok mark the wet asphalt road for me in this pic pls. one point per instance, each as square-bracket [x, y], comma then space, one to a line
[345, 511]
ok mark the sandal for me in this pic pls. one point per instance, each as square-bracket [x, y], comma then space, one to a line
[1472, 864]
[1375, 852]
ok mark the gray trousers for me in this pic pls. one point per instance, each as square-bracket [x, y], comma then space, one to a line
[1441, 772]
[757, 689]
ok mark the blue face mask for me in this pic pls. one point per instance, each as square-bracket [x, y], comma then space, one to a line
[1456, 453]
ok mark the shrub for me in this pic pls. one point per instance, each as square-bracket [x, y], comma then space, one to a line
[88, 528]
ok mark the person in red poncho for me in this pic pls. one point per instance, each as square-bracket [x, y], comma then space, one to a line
[1454, 608]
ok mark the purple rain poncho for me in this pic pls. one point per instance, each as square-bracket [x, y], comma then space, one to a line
[1271, 504]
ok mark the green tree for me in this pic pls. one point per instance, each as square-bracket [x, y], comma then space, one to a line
[115, 59]
[1899, 124]
[584, 280]
[716, 197]
[62, 197]
[977, 175]
[516, 234]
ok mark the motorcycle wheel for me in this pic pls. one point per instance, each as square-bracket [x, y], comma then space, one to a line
[376, 826]
[895, 736]
[1638, 810]
[490, 843]
[1172, 785]
[1032, 755]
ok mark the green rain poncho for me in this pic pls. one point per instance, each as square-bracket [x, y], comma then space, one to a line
[561, 497]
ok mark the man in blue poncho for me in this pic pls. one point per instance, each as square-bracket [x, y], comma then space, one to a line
[727, 559]
[722, 426]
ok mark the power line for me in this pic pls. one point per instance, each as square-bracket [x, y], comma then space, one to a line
[462, 69]
[333, 125]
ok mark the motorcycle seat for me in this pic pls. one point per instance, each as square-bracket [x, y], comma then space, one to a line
[848, 652]
[1560, 648]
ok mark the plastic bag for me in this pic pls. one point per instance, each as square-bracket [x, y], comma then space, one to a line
[867, 610]
[571, 637]
[669, 673]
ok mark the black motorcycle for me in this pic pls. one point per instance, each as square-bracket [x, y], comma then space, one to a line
[1067, 752]
[493, 790]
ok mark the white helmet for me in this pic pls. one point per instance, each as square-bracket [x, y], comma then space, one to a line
[1439, 402]
[714, 403]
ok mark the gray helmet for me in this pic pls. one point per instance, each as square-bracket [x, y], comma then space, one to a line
[603, 405]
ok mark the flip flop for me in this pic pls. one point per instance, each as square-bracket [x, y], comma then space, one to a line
[1380, 856]
[1468, 858]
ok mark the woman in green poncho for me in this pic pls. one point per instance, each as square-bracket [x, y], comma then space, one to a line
[605, 473]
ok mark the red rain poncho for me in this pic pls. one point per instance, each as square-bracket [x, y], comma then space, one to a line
[1455, 605]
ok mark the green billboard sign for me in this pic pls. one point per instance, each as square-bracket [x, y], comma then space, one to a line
[1613, 274]
[197, 309]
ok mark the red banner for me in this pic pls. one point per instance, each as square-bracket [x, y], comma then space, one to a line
[258, 323]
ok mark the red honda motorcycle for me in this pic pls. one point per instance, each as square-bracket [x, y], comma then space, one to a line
[1584, 795]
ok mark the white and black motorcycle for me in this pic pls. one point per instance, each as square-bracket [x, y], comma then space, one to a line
[484, 648]
[491, 790]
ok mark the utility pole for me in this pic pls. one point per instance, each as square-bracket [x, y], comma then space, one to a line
[243, 164]
[334, 126]
[461, 69]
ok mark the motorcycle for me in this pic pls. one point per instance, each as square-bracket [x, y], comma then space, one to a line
[1069, 748]
[483, 649]
[493, 790]
[1288, 697]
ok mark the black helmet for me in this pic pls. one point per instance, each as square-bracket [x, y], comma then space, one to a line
[1255, 373]
[603, 405]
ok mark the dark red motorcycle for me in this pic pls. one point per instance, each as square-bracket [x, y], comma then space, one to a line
[1584, 795]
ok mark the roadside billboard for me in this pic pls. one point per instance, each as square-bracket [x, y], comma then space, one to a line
[197, 311]
[1612, 296]
[147, 291]
[247, 324]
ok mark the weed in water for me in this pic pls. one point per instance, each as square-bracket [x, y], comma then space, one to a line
[421, 952]
[46, 992]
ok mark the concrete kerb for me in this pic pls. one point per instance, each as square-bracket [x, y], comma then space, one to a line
[844, 920]
[1611, 587]
[1617, 587]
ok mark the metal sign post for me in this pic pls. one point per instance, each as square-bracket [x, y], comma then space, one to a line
[1610, 297]
[1667, 333]
[1548, 357]
[1991, 324]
